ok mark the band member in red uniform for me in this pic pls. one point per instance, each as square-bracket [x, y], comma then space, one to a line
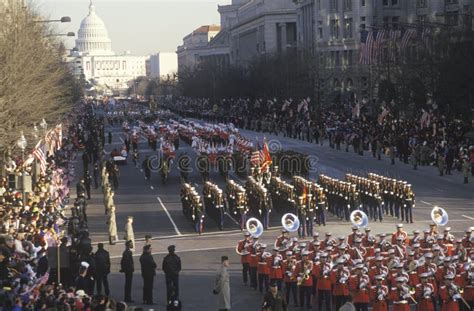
[424, 293]
[276, 271]
[339, 279]
[379, 269]
[449, 294]
[379, 294]
[358, 251]
[305, 280]
[282, 239]
[243, 248]
[352, 236]
[467, 280]
[416, 238]
[401, 233]
[290, 266]
[323, 270]
[253, 263]
[359, 285]
[263, 268]
[400, 295]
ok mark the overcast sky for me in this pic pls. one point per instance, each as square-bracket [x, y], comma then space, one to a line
[140, 26]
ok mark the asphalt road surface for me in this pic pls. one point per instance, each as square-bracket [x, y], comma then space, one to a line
[156, 209]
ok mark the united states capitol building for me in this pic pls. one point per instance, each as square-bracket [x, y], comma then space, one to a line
[94, 60]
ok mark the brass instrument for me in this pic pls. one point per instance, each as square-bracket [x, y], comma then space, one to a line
[455, 290]
[306, 274]
[439, 216]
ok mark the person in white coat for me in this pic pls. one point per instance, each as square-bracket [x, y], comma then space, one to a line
[222, 287]
[129, 234]
[112, 222]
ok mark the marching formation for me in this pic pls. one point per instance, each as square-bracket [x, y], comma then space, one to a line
[429, 271]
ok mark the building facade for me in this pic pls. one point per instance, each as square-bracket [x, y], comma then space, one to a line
[262, 27]
[163, 64]
[331, 32]
[195, 45]
[94, 60]
[249, 29]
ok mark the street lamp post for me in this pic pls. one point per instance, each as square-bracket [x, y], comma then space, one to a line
[64, 19]
[69, 34]
[21, 143]
[44, 125]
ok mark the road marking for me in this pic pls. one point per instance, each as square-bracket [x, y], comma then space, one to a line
[468, 217]
[169, 216]
[121, 139]
[152, 188]
[424, 202]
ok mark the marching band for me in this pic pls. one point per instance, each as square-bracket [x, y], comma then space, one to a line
[399, 270]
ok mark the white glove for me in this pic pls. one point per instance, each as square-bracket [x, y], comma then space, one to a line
[456, 297]
[406, 296]
[380, 297]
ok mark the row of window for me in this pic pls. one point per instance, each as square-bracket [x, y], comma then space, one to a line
[347, 4]
[337, 58]
[347, 32]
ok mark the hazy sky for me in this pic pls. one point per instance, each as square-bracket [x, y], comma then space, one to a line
[140, 26]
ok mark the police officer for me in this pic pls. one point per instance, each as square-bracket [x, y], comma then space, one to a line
[171, 267]
[148, 266]
[127, 267]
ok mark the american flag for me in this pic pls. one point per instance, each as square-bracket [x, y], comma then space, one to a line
[40, 155]
[426, 37]
[59, 136]
[265, 157]
[394, 37]
[379, 44]
[367, 39]
[255, 158]
[407, 36]
[50, 140]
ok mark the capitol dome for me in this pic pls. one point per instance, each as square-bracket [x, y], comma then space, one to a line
[93, 38]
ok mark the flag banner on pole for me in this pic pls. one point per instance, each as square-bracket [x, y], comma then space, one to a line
[39, 153]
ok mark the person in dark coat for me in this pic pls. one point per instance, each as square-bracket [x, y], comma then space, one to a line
[102, 269]
[83, 280]
[110, 137]
[148, 266]
[274, 300]
[127, 267]
[81, 188]
[171, 267]
[87, 184]
[146, 166]
[96, 175]
[85, 161]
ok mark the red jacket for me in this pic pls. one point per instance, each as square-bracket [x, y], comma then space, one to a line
[359, 295]
[448, 303]
[339, 289]
[324, 280]
[378, 305]
[241, 248]
[276, 272]
[424, 304]
[399, 303]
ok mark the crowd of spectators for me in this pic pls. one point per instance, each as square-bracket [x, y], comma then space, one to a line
[424, 138]
[46, 256]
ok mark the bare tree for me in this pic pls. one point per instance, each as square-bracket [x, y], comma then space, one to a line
[34, 83]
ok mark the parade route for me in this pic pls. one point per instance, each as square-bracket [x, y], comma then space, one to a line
[156, 209]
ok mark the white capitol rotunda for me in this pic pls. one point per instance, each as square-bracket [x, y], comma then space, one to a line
[93, 37]
[94, 59]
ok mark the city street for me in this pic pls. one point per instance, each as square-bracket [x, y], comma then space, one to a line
[157, 211]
